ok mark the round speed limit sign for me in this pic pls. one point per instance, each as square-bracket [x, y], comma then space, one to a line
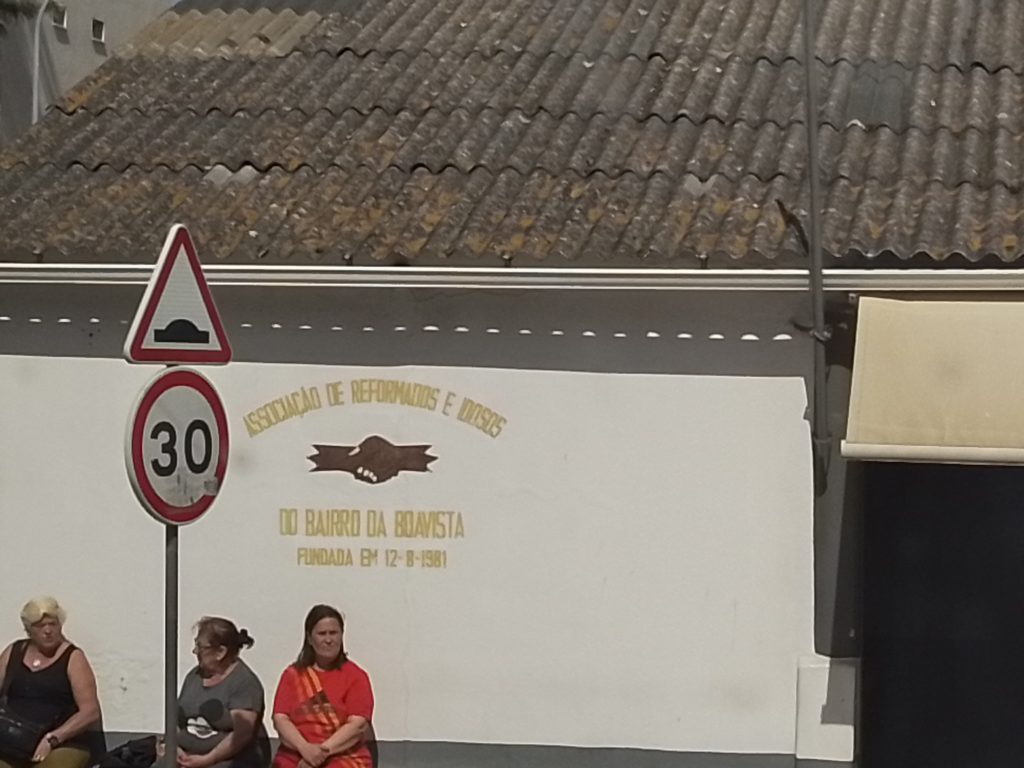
[176, 449]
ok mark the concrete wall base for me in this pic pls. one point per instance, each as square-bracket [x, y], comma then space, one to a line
[440, 754]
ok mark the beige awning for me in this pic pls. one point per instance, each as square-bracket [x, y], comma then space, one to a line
[938, 381]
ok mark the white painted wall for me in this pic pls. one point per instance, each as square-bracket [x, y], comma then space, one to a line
[636, 569]
[66, 55]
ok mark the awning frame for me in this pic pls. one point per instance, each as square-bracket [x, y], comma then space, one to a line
[934, 380]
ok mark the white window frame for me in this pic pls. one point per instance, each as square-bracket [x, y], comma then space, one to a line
[59, 17]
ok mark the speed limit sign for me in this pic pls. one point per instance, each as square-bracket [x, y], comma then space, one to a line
[176, 448]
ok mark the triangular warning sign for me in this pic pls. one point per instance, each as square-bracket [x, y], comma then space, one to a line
[177, 321]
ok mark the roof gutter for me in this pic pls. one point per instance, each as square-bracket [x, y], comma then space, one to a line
[563, 279]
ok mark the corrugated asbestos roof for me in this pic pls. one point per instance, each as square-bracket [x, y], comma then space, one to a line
[487, 132]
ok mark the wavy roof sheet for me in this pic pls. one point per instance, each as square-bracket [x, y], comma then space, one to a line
[611, 132]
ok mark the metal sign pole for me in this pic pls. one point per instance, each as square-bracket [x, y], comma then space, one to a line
[171, 647]
[173, 492]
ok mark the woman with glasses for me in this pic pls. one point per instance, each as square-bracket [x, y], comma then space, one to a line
[221, 704]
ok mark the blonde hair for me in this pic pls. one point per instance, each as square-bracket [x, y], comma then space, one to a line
[38, 608]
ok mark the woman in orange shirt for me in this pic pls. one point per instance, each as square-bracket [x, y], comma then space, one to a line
[324, 702]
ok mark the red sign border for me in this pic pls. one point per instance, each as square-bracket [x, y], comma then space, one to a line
[177, 239]
[151, 500]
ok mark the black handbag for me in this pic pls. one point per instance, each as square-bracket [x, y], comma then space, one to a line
[18, 737]
[137, 753]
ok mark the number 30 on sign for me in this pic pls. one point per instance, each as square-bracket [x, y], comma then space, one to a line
[176, 448]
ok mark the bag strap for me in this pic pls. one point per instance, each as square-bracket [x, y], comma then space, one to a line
[17, 657]
[318, 688]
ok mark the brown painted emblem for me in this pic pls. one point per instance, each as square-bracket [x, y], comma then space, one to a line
[375, 460]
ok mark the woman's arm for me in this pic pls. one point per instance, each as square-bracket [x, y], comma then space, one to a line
[83, 687]
[243, 724]
[290, 737]
[351, 733]
[357, 699]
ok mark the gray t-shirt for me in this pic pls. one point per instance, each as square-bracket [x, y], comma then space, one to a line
[204, 715]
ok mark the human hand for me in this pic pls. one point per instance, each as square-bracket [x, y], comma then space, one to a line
[326, 753]
[193, 761]
[313, 754]
[43, 750]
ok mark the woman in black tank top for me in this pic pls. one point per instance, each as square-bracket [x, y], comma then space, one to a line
[49, 681]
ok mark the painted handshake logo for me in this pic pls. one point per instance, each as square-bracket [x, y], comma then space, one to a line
[375, 460]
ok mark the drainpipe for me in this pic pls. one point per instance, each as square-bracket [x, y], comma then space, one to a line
[821, 440]
[35, 61]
